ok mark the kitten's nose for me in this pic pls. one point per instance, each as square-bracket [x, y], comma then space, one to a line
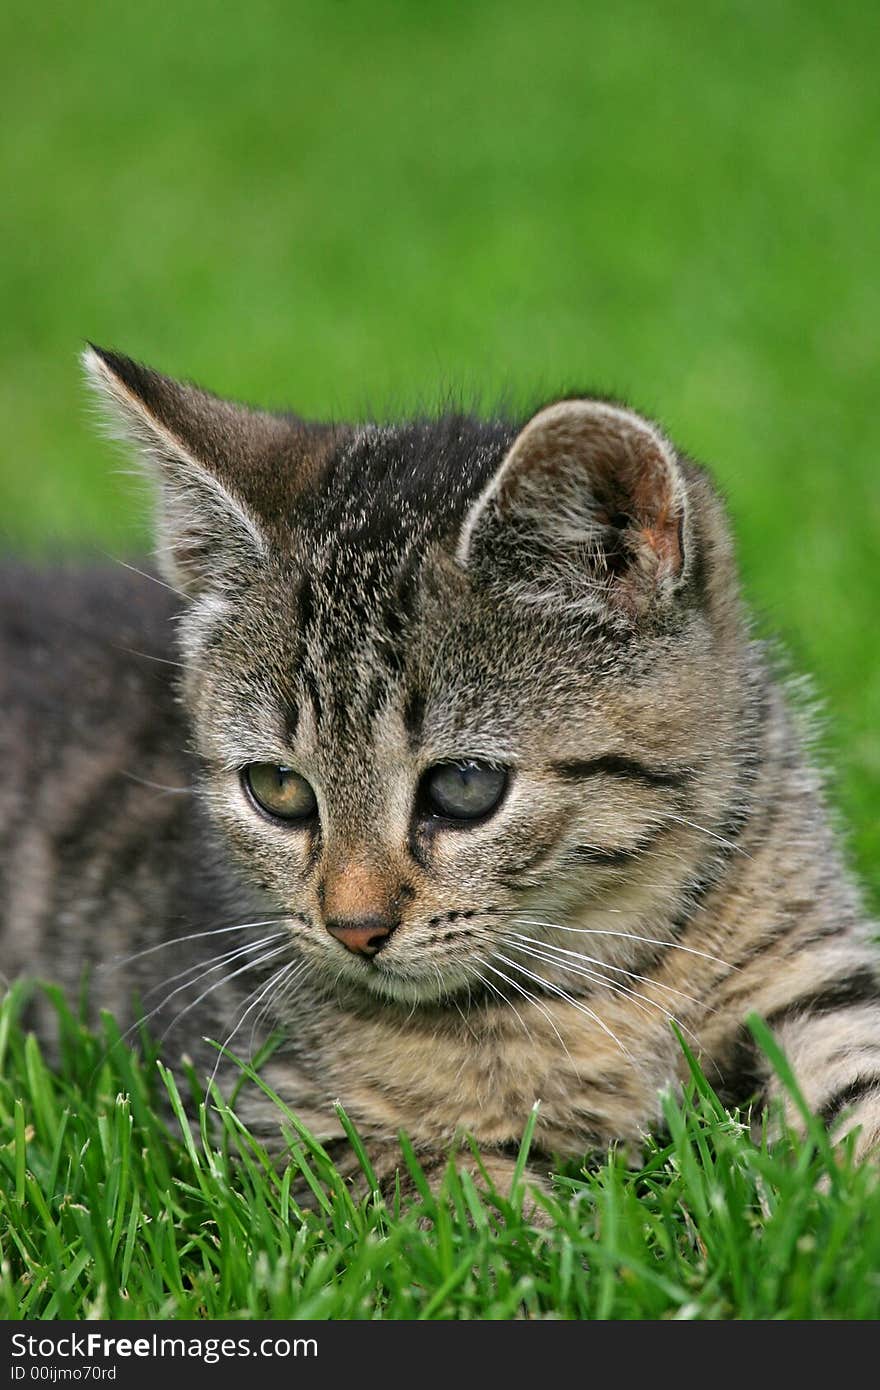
[363, 935]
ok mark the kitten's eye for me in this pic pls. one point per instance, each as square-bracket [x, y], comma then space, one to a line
[463, 791]
[280, 791]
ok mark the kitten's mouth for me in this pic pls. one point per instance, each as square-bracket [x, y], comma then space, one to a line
[381, 977]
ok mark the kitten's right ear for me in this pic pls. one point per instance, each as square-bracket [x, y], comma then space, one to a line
[199, 449]
[589, 509]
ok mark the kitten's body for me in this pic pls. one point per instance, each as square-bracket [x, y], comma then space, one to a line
[365, 605]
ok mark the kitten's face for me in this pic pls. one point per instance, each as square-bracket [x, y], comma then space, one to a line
[454, 780]
[453, 688]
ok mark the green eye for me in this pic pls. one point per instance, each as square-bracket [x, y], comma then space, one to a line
[280, 792]
[463, 791]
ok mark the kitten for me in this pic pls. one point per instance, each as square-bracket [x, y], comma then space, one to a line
[447, 748]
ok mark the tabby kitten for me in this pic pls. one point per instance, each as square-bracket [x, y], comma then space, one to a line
[446, 748]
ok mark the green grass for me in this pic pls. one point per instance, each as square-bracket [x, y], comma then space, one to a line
[365, 207]
[104, 1212]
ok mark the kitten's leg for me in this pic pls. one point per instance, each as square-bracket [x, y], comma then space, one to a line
[824, 1011]
[493, 1171]
[836, 1059]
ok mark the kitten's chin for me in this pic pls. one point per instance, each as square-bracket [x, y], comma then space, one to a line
[410, 987]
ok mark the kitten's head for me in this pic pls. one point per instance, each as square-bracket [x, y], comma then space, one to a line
[455, 686]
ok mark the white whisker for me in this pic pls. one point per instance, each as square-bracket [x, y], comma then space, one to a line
[503, 997]
[464, 1018]
[143, 574]
[604, 965]
[147, 656]
[145, 1018]
[191, 936]
[155, 786]
[275, 980]
[276, 1000]
[204, 967]
[251, 965]
[605, 983]
[533, 999]
[626, 936]
[728, 844]
[582, 1008]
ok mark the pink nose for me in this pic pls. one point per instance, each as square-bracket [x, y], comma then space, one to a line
[362, 935]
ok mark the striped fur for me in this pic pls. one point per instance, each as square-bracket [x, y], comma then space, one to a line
[360, 604]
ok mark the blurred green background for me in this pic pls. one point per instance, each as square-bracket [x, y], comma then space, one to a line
[358, 208]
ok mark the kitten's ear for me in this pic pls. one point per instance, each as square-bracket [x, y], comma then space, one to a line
[199, 450]
[588, 507]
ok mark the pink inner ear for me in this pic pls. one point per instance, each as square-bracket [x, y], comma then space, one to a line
[622, 466]
[600, 490]
[658, 520]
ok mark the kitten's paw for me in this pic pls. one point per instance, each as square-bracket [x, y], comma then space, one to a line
[492, 1174]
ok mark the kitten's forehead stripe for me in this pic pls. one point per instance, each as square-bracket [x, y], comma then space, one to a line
[413, 481]
[290, 716]
[306, 608]
[414, 717]
[311, 685]
[356, 608]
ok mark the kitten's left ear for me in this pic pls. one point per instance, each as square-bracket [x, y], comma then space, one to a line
[589, 507]
[201, 450]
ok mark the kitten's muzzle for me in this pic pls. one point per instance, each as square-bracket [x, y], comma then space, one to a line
[364, 936]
